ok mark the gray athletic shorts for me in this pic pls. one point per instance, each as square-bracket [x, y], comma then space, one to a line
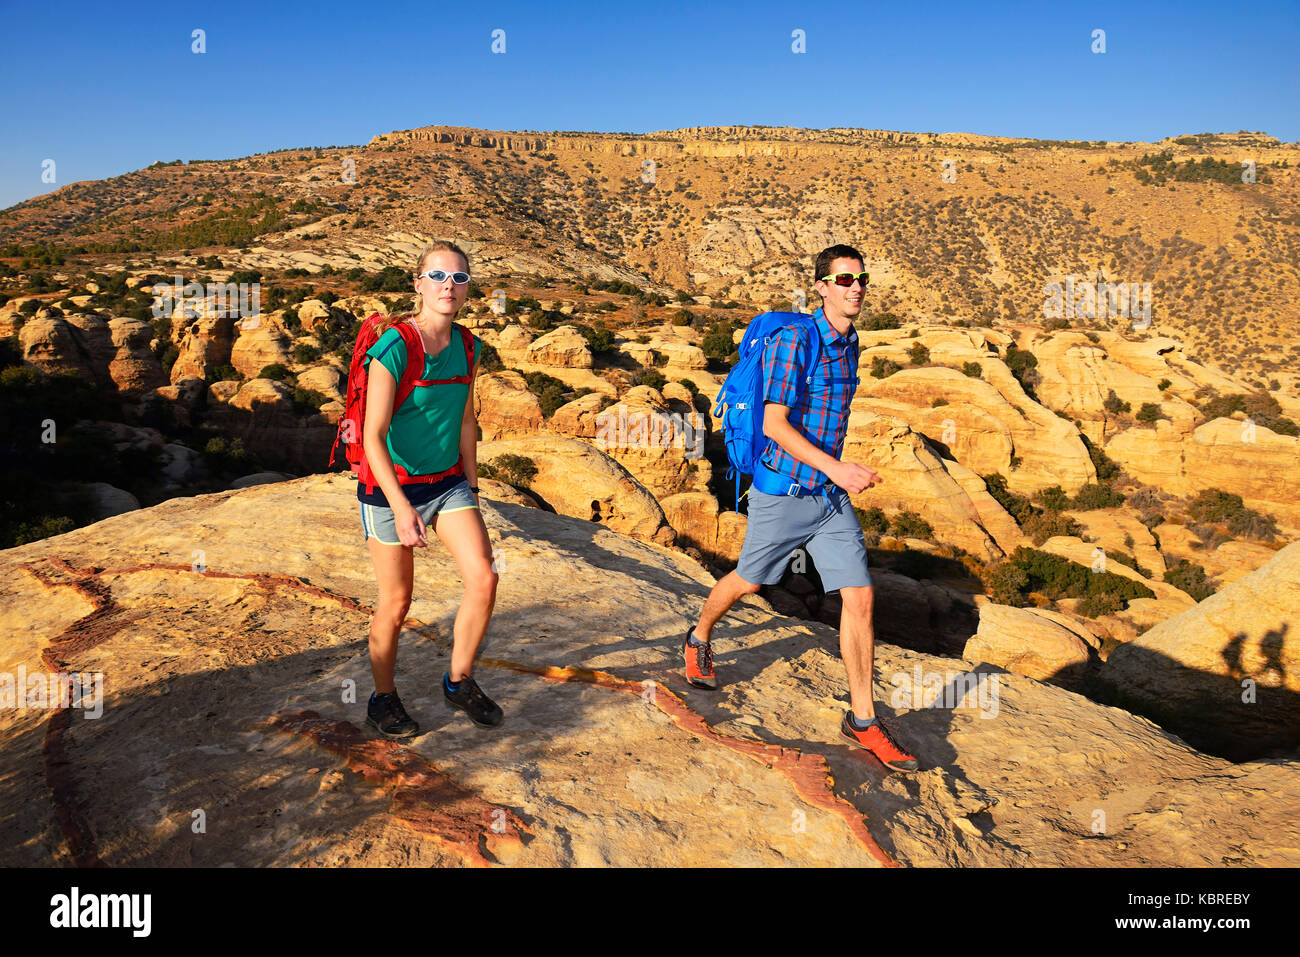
[778, 524]
[380, 522]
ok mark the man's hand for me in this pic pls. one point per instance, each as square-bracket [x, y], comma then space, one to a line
[410, 528]
[852, 477]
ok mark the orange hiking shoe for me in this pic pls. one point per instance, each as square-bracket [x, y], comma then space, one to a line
[699, 663]
[877, 740]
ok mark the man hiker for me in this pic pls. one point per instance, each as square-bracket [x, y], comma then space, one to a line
[800, 494]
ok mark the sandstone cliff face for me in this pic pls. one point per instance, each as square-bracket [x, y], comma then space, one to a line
[575, 479]
[661, 442]
[917, 479]
[1253, 462]
[1225, 674]
[607, 757]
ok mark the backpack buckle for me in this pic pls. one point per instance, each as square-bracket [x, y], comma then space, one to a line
[794, 489]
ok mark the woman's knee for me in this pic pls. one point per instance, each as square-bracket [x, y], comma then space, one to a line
[481, 580]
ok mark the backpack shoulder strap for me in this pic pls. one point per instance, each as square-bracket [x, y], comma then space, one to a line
[414, 344]
[467, 338]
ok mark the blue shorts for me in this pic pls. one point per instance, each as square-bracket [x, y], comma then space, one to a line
[778, 524]
[379, 522]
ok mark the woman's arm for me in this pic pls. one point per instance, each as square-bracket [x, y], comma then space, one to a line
[380, 393]
[469, 435]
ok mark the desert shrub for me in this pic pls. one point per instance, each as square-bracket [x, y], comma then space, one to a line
[1191, 578]
[1040, 526]
[1099, 603]
[518, 470]
[304, 352]
[690, 386]
[1008, 583]
[551, 392]
[308, 400]
[1150, 412]
[1054, 498]
[918, 354]
[1023, 365]
[1163, 384]
[1097, 496]
[885, 320]
[225, 373]
[229, 457]
[651, 377]
[1106, 467]
[599, 338]
[682, 317]
[277, 371]
[874, 523]
[910, 525]
[1114, 404]
[883, 368]
[972, 369]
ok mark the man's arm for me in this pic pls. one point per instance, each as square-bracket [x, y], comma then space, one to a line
[849, 476]
[784, 362]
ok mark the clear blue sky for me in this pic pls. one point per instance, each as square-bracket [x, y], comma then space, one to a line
[103, 89]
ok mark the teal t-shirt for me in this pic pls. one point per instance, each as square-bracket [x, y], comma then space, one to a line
[424, 435]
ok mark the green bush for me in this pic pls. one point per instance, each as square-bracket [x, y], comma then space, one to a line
[874, 523]
[308, 400]
[1054, 498]
[1040, 526]
[972, 369]
[1097, 496]
[651, 377]
[517, 470]
[882, 368]
[277, 371]
[1024, 366]
[551, 392]
[885, 320]
[1191, 578]
[919, 354]
[683, 317]
[691, 387]
[910, 525]
[1114, 404]
[305, 352]
[224, 374]
[1150, 412]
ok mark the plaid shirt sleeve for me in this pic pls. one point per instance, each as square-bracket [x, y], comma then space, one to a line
[785, 364]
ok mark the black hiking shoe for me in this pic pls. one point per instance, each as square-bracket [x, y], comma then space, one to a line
[469, 697]
[386, 715]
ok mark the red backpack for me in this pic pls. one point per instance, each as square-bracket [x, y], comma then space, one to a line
[354, 415]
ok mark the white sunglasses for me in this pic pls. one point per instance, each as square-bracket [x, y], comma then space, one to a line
[437, 275]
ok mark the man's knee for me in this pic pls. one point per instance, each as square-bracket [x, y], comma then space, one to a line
[746, 587]
[858, 600]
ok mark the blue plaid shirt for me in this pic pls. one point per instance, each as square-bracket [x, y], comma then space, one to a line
[819, 411]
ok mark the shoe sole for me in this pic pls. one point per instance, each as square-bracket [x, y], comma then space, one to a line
[482, 724]
[389, 734]
[862, 747]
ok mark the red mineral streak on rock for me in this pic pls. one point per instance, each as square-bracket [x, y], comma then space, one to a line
[807, 772]
[424, 798]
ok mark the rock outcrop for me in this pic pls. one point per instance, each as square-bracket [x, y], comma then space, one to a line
[606, 757]
[1225, 674]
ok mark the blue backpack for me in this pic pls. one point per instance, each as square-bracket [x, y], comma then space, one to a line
[740, 401]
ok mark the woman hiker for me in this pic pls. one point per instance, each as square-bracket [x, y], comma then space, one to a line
[433, 437]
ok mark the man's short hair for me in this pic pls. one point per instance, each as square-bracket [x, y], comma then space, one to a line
[831, 253]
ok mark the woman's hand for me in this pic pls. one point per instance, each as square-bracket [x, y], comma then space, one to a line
[410, 527]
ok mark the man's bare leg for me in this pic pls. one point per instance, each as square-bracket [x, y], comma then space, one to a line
[729, 590]
[858, 647]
